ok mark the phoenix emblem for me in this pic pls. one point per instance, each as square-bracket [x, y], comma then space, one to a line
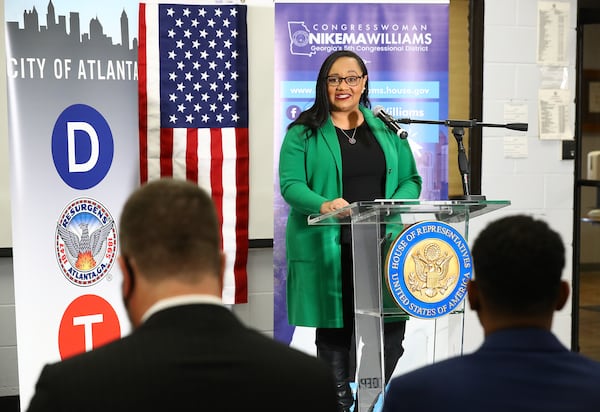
[87, 248]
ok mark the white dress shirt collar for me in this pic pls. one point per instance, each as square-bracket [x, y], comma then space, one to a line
[180, 300]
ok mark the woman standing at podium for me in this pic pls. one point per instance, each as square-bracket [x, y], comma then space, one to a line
[335, 153]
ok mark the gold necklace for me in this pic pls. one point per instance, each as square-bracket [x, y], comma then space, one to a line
[351, 139]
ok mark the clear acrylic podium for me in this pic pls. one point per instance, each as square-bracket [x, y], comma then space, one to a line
[373, 304]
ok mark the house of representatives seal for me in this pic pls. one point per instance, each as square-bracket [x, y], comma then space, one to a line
[427, 269]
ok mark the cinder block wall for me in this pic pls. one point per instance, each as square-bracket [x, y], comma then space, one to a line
[542, 183]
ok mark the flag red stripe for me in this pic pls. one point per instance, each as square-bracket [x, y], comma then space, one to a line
[242, 206]
[191, 155]
[143, 98]
[166, 152]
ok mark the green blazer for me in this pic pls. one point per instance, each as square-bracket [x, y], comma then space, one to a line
[310, 173]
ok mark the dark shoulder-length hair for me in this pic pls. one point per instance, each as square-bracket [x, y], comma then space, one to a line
[316, 115]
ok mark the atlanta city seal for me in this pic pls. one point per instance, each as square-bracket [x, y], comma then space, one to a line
[86, 242]
[427, 269]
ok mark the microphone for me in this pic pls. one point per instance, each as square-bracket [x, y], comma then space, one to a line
[390, 122]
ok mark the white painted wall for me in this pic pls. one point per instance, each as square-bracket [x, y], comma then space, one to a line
[9, 380]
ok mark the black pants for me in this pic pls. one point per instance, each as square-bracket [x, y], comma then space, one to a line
[341, 339]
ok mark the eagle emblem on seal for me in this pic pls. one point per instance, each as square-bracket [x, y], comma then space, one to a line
[431, 276]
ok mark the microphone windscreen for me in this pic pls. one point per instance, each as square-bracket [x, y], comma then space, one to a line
[377, 110]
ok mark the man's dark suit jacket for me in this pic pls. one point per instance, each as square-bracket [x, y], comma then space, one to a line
[514, 370]
[196, 357]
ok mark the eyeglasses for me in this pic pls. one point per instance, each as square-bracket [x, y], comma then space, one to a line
[335, 81]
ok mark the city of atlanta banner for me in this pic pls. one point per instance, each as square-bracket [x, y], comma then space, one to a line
[73, 149]
[405, 47]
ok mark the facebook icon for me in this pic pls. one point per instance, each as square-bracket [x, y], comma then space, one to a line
[293, 111]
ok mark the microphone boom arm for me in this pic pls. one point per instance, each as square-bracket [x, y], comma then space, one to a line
[458, 127]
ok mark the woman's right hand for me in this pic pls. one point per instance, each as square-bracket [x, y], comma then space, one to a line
[333, 205]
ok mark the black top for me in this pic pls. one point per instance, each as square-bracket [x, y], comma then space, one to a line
[363, 165]
[363, 168]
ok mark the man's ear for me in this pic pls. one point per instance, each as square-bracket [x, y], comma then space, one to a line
[127, 274]
[473, 294]
[563, 295]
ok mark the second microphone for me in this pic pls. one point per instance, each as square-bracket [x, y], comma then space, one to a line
[390, 122]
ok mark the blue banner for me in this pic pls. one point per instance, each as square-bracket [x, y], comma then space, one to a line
[405, 47]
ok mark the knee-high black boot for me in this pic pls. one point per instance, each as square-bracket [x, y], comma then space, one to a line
[340, 364]
[392, 346]
[393, 350]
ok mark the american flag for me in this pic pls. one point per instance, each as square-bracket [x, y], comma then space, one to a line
[193, 108]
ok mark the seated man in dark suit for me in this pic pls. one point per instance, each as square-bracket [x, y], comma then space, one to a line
[521, 365]
[187, 352]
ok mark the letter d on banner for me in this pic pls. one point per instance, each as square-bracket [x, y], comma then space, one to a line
[86, 166]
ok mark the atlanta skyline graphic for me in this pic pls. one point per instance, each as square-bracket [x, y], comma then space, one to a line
[36, 40]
